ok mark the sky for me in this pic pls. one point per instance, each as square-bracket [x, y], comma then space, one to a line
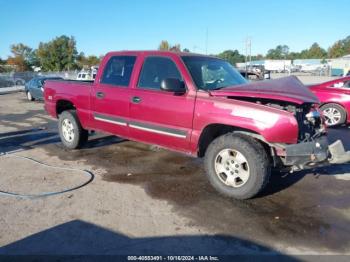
[106, 25]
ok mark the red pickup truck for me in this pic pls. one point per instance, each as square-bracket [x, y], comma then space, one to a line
[201, 106]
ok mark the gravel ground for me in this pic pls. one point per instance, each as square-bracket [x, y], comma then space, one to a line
[146, 200]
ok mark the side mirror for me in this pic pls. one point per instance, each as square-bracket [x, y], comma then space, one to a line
[173, 85]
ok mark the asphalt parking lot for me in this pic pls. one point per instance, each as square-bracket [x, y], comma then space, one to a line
[145, 200]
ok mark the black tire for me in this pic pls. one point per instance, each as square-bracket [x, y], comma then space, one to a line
[336, 121]
[256, 157]
[29, 96]
[80, 135]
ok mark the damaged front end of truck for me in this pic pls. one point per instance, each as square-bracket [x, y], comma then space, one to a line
[311, 148]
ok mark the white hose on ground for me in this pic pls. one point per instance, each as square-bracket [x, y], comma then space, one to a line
[45, 194]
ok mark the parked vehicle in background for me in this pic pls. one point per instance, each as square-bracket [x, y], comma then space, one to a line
[19, 81]
[34, 88]
[255, 73]
[84, 76]
[277, 66]
[201, 106]
[5, 81]
[335, 100]
[10, 80]
[87, 75]
[20, 78]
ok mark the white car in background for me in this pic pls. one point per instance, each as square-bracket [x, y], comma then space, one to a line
[87, 75]
[84, 76]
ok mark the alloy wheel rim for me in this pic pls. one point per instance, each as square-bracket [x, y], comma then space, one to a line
[232, 168]
[332, 116]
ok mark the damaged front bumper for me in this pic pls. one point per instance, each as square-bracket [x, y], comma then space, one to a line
[315, 153]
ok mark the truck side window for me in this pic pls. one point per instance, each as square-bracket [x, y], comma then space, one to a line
[118, 70]
[155, 69]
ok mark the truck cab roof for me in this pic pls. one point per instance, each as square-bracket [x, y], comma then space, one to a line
[154, 52]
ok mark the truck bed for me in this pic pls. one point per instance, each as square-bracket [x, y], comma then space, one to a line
[73, 90]
[72, 81]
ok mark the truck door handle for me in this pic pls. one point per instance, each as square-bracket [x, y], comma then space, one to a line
[100, 95]
[136, 100]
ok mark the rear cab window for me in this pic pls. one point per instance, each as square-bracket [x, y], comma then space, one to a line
[118, 71]
[155, 69]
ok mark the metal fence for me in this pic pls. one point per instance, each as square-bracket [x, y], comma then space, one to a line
[21, 78]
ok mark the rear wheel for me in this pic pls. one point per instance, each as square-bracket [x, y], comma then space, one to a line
[29, 96]
[334, 114]
[71, 132]
[237, 166]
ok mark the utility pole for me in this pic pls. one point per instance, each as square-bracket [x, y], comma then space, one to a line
[250, 51]
[248, 54]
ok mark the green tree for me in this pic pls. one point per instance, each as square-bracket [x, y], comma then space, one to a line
[2, 67]
[18, 63]
[23, 57]
[315, 51]
[175, 48]
[336, 50]
[21, 50]
[257, 57]
[164, 45]
[340, 48]
[87, 61]
[93, 60]
[186, 50]
[293, 55]
[58, 55]
[346, 45]
[280, 52]
[233, 56]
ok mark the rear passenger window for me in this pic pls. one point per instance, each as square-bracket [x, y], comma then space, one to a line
[118, 70]
[155, 69]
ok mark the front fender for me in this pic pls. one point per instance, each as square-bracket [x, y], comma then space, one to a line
[274, 125]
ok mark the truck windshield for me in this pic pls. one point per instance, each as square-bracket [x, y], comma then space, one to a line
[210, 73]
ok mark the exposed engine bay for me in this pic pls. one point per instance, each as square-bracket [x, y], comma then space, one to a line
[307, 115]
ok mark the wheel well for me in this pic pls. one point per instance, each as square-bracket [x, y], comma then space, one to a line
[63, 105]
[213, 131]
[336, 103]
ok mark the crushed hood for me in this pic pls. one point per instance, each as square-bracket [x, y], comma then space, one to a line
[283, 89]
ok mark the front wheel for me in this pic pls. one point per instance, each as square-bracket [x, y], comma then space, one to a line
[71, 132]
[237, 166]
